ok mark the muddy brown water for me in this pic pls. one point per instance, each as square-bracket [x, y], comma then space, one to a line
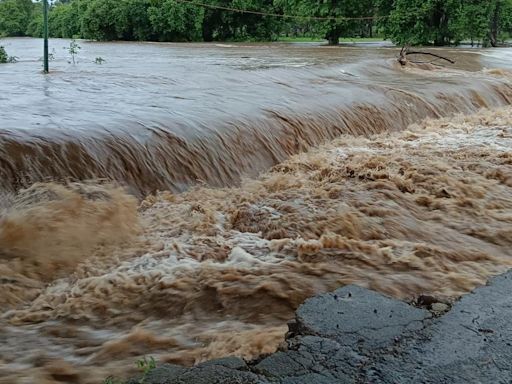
[92, 278]
[166, 116]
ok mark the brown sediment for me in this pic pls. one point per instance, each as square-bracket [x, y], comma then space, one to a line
[217, 272]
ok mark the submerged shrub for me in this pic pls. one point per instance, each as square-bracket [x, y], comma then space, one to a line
[3, 55]
[5, 58]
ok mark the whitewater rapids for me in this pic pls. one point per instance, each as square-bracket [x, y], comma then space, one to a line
[215, 272]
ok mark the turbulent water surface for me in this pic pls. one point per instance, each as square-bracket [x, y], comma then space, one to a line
[165, 116]
[95, 274]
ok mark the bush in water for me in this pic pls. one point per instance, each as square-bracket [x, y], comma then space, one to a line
[3, 55]
[4, 58]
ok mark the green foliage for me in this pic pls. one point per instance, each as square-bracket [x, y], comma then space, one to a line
[35, 25]
[99, 60]
[222, 25]
[103, 20]
[145, 366]
[332, 30]
[138, 25]
[437, 22]
[174, 21]
[443, 22]
[15, 16]
[65, 20]
[423, 21]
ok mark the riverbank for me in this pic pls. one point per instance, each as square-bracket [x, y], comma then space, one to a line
[354, 335]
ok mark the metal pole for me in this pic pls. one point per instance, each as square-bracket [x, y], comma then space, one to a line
[45, 35]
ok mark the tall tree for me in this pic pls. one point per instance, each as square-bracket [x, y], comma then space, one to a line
[102, 20]
[139, 26]
[15, 16]
[336, 10]
[65, 19]
[175, 21]
[500, 19]
[220, 24]
[423, 21]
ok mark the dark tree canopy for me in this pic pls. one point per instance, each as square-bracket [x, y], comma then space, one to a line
[415, 22]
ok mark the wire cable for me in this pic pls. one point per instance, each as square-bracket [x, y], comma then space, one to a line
[284, 16]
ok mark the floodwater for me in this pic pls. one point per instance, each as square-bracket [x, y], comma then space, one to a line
[98, 271]
[167, 116]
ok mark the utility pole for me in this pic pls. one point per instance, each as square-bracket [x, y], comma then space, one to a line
[45, 35]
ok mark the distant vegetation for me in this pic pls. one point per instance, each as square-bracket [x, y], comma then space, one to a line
[415, 22]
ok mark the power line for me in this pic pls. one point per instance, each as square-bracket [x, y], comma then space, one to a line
[317, 18]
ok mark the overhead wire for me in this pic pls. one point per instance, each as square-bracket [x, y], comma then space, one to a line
[279, 15]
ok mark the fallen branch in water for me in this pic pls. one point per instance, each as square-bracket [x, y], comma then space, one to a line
[402, 59]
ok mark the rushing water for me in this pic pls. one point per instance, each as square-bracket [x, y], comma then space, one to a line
[92, 279]
[166, 116]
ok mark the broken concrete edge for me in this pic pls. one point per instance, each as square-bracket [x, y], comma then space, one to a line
[351, 335]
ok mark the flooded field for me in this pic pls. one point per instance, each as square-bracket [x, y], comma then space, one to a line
[96, 274]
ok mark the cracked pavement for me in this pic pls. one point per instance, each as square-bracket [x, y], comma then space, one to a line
[354, 335]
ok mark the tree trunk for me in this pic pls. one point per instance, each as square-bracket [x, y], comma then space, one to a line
[494, 32]
[440, 24]
[333, 38]
[207, 33]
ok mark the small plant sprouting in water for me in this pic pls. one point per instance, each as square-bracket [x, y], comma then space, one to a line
[51, 56]
[145, 365]
[111, 380]
[99, 60]
[73, 50]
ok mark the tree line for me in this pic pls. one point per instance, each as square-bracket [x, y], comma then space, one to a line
[414, 22]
